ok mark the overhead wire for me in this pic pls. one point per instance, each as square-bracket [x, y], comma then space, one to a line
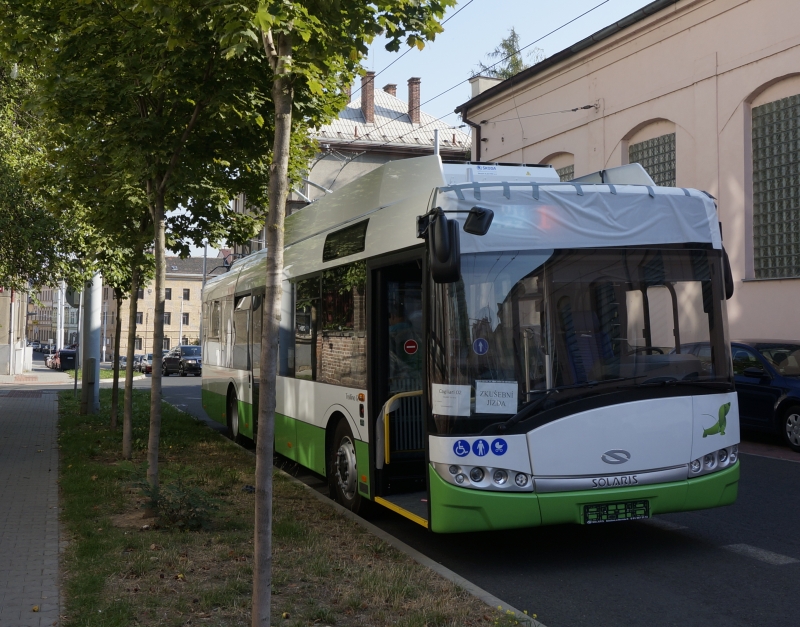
[449, 89]
[410, 49]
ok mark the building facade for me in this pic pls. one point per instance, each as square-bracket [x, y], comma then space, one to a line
[182, 311]
[14, 358]
[702, 93]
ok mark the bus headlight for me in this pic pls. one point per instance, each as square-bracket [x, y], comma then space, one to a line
[708, 460]
[476, 474]
[734, 453]
[722, 455]
[696, 465]
[500, 477]
[454, 470]
[521, 479]
[461, 479]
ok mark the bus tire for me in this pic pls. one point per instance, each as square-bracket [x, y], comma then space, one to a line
[790, 427]
[342, 469]
[232, 417]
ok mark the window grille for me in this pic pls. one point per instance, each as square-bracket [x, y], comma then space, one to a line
[657, 156]
[567, 173]
[776, 189]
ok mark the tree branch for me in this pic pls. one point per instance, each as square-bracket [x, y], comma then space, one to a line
[198, 107]
[270, 50]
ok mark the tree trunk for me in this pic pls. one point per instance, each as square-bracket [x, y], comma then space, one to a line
[278, 190]
[127, 418]
[159, 224]
[115, 366]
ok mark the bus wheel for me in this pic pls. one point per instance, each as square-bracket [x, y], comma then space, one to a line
[343, 473]
[790, 427]
[232, 415]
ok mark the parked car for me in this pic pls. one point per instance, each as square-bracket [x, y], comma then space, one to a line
[146, 364]
[137, 359]
[123, 362]
[35, 345]
[183, 360]
[767, 377]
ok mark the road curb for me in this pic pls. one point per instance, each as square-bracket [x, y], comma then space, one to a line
[475, 590]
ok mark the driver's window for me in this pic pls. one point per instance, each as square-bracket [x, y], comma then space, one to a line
[743, 359]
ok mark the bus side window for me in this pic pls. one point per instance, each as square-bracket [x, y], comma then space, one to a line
[343, 347]
[255, 337]
[241, 341]
[215, 318]
[305, 330]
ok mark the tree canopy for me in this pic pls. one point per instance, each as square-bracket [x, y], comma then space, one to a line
[509, 59]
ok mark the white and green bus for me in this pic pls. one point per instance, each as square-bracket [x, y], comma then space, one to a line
[481, 346]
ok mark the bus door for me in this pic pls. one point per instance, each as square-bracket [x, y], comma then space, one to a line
[397, 402]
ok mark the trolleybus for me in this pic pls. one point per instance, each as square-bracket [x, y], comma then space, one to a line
[481, 346]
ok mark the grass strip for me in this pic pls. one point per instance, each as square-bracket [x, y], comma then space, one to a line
[326, 569]
[105, 373]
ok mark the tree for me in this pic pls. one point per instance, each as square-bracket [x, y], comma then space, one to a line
[145, 88]
[312, 47]
[510, 60]
[35, 248]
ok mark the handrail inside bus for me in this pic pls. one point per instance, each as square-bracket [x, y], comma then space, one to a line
[387, 409]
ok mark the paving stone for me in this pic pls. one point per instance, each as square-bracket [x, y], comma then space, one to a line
[29, 542]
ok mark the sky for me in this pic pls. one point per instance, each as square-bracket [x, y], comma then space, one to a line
[476, 28]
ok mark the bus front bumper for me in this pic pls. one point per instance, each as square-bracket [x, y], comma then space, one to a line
[455, 509]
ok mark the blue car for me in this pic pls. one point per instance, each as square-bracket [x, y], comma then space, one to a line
[767, 376]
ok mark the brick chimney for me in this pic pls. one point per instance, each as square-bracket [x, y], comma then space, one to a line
[413, 99]
[390, 89]
[368, 97]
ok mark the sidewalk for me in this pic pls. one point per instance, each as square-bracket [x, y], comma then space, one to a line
[29, 535]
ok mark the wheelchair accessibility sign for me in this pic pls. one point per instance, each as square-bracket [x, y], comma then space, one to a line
[480, 447]
[461, 448]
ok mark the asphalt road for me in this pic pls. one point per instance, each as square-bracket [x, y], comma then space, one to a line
[733, 566]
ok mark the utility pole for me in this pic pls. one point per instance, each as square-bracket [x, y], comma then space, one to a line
[202, 295]
[90, 391]
[60, 317]
[105, 313]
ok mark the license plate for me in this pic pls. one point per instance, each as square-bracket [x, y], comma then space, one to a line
[615, 512]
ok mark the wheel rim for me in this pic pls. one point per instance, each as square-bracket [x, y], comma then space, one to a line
[346, 468]
[793, 428]
[234, 418]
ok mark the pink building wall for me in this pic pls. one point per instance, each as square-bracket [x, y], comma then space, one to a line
[695, 68]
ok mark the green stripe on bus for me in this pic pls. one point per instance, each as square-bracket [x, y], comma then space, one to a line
[214, 404]
[455, 509]
[310, 446]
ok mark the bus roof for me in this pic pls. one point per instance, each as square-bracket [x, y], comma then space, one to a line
[533, 210]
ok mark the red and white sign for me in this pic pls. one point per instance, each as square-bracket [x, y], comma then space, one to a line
[410, 346]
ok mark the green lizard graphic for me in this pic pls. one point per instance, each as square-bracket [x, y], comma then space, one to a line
[719, 427]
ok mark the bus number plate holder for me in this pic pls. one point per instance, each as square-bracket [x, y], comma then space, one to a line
[615, 512]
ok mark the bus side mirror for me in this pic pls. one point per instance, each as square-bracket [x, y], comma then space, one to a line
[444, 247]
[727, 274]
[478, 221]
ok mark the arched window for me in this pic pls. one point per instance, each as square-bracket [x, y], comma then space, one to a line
[563, 163]
[652, 145]
[776, 188]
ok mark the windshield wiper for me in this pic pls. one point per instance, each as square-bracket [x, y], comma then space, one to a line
[671, 381]
[528, 410]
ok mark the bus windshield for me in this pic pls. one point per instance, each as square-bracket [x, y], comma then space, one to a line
[527, 331]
